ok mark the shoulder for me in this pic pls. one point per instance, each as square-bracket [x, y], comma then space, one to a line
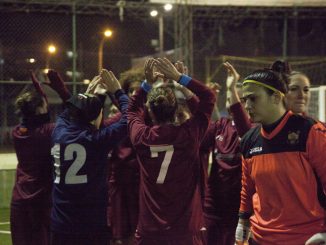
[303, 124]
[249, 138]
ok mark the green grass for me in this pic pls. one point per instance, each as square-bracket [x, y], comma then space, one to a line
[4, 217]
[7, 179]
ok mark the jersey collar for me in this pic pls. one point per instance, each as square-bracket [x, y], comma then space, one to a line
[278, 128]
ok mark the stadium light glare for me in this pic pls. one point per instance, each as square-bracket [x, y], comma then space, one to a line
[168, 7]
[52, 49]
[31, 60]
[154, 13]
[108, 33]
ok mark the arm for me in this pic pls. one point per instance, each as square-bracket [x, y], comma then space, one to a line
[193, 104]
[246, 209]
[115, 118]
[136, 122]
[112, 134]
[316, 144]
[247, 190]
[192, 100]
[208, 142]
[206, 101]
[58, 85]
[205, 95]
[38, 87]
[239, 115]
[240, 118]
[231, 81]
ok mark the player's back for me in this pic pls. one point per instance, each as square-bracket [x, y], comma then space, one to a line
[169, 195]
[80, 187]
[34, 169]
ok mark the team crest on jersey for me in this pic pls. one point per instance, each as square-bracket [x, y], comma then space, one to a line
[293, 137]
[256, 149]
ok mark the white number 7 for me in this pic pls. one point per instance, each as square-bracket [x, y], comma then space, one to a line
[166, 161]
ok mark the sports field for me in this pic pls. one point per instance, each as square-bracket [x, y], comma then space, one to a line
[5, 238]
[7, 176]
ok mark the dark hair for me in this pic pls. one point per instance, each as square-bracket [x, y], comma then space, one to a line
[129, 77]
[163, 104]
[277, 76]
[85, 107]
[27, 103]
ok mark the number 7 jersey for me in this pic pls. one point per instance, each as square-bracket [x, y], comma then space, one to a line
[170, 203]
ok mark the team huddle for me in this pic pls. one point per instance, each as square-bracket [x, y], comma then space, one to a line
[159, 170]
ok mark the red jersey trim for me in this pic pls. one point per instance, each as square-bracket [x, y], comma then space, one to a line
[278, 128]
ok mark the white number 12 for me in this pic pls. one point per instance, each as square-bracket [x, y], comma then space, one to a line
[168, 149]
[71, 176]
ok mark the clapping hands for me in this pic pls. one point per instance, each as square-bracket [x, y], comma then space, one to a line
[104, 82]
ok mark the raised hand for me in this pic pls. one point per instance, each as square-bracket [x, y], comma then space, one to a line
[92, 85]
[111, 82]
[37, 86]
[168, 69]
[57, 84]
[233, 76]
[181, 67]
[151, 75]
[215, 87]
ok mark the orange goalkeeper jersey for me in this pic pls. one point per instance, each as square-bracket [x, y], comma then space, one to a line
[278, 181]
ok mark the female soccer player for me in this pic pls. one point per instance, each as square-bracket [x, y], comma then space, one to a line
[123, 176]
[80, 195]
[170, 205]
[222, 194]
[31, 196]
[298, 95]
[279, 198]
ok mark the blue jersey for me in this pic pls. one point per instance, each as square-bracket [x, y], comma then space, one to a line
[80, 162]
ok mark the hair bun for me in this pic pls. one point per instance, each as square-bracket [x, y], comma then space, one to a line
[281, 67]
[160, 100]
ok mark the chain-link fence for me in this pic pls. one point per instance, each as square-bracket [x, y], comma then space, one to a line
[26, 34]
[25, 39]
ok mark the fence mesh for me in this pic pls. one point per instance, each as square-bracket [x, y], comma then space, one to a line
[26, 35]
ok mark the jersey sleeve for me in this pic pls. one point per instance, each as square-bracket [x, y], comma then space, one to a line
[112, 134]
[205, 106]
[316, 145]
[193, 103]
[136, 122]
[248, 188]
[115, 118]
[208, 141]
[240, 118]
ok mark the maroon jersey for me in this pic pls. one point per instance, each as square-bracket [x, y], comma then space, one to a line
[222, 194]
[34, 169]
[170, 202]
[123, 181]
[31, 196]
[223, 185]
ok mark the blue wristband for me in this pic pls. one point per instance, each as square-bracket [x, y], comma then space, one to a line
[145, 86]
[184, 80]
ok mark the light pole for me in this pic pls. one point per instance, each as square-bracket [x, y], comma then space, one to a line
[107, 33]
[51, 51]
[154, 13]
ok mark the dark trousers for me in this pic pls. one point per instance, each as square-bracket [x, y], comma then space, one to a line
[30, 224]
